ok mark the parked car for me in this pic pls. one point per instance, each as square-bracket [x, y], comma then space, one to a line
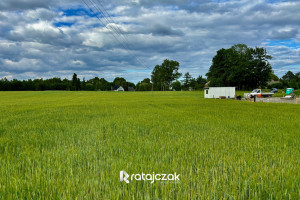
[274, 90]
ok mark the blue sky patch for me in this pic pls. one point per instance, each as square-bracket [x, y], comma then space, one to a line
[134, 70]
[288, 43]
[61, 24]
[294, 67]
[78, 12]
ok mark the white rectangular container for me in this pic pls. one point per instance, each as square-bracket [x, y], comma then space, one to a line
[217, 92]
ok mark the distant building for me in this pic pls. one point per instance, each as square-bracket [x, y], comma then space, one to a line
[207, 84]
[131, 89]
[273, 82]
[118, 88]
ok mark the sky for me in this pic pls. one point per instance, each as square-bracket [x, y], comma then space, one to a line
[113, 38]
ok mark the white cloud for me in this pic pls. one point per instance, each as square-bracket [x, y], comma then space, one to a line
[54, 38]
[40, 14]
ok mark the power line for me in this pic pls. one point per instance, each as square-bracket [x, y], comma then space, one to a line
[102, 11]
[101, 21]
[114, 30]
[110, 20]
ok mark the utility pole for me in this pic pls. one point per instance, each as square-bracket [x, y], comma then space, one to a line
[152, 90]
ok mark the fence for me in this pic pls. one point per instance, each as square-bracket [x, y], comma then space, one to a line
[279, 100]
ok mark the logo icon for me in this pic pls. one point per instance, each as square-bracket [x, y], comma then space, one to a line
[124, 176]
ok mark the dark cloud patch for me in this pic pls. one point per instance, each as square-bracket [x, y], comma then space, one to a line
[23, 4]
[283, 34]
[161, 30]
[10, 51]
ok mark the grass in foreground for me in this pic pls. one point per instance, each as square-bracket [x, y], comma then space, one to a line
[68, 145]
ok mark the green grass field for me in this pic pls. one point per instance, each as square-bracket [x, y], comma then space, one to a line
[73, 145]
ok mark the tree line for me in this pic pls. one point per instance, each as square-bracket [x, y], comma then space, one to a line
[94, 84]
[289, 80]
[64, 84]
[239, 66]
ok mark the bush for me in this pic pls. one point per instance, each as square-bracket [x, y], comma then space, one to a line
[276, 85]
[294, 84]
[297, 92]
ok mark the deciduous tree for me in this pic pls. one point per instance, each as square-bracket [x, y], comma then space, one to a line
[240, 66]
[163, 75]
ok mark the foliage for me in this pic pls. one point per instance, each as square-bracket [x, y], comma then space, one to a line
[274, 77]
[186, 81]
[98, 84]
[240, 66]
[288, 76]
[297, 93]
[176, 85]
[291, 80]
[200, 83]
[73, 145]
[145, 85]
[275, 85]
[163, 75]
[119, 81]
[37, 84]
[190, 82]
[58, 84]
[75, 82]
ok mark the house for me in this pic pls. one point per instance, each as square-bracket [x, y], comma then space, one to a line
[118, 88]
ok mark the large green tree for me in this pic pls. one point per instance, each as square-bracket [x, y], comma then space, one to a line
[163, 75]
[240, 66]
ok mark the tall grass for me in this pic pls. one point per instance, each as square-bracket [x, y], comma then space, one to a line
[73, 145]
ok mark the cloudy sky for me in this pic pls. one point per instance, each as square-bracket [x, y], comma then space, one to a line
[43, 39]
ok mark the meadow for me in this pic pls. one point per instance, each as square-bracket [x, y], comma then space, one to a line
[73, 145]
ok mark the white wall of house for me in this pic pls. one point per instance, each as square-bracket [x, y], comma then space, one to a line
[120, 89]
